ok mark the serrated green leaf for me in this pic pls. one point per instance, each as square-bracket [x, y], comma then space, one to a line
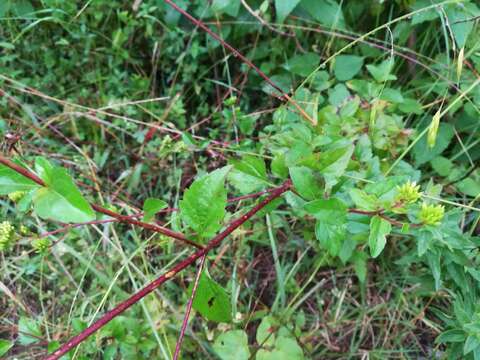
[28, 331]
[305, 182]
[328, 211]
[472, 343]
[61, 200]
[232, 345]
[203, 205]
[151, 206]
[379, 229]
[11, 181]
[363, 200]
[211, 300]
[249, 174]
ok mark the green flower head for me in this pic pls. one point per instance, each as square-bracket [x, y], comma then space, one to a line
[431, 214]
[408, 193]
[7, 232]
[41, 246]
[16, 195]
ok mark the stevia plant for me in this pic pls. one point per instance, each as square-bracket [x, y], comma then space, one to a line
[361, 167]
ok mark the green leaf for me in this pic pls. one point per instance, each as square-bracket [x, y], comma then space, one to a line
[211, 300]
[347, 66]
[249, 174]
[423, 16]
[423, 153]
[330, 211]
[460, 20]
[330, 228]
[151, 206]
[5, 345]
[26, 328]
[11, 181]
[286, 348]
[381, 72]
[472, 343]
[303, 64]
[359, 260]
[232, 345]
[266, 331]
[283, 8]
[305, 182]
[452, 335]
[203, 205]
[327, 12]
[363, 200]
[433, 259]
[229, 7]
[379, 229]
[331, 236]
[61, 200]
[333, 162]
[469, 187]
[442, 165]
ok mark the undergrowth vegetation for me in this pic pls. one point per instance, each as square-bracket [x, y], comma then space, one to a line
[247, 179]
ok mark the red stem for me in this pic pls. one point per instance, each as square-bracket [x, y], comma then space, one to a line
[120, 308]
[126, 219]
[188, 309]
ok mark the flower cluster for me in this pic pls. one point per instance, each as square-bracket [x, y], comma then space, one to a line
[42, 245]
[408, 193]
[16, 195]
[431, 214]
[7, 233]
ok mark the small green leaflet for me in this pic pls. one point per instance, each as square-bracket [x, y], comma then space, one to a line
[11, 181]
[232, 345]
[151, 206]
[381, 72]
[249, 174]
[211, 300]
[29, 331]
[60, 199]
[203, 205]
[379, 229]
[283, 8]
[347, 66]
[5, 345]
[286, 348]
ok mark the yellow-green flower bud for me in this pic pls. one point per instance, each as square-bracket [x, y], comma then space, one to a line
[7, 233]
[42, 245]
[431, 214]
[16, 195]
[24, 230]
[408, 193]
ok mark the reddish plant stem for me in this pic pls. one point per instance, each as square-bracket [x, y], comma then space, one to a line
[120, 308]
[178, 346]
[236, 53]
[126, 219]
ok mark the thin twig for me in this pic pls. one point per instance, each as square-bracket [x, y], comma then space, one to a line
[178, 346]
[262, 21]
